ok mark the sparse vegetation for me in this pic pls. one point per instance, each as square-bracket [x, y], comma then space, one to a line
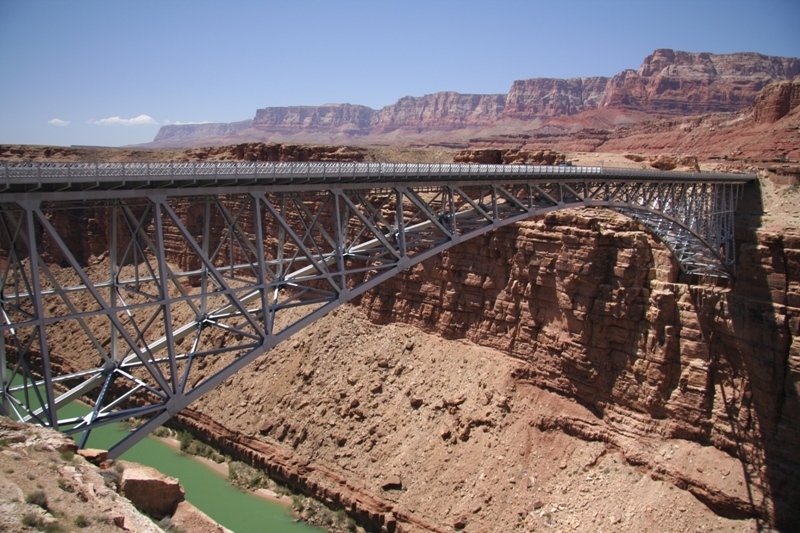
[112, 477]
[37, 497]
[245, 476]
[33, 520]
[315, 512]
[192, 446]
[64, 485]
[82, 521]
[67, 455]
[163, 432]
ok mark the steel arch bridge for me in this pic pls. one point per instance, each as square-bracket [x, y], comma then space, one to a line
[142, 286]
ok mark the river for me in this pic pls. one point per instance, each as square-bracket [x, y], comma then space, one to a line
[238, 510]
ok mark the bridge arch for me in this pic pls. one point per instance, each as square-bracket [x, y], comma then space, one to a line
[167, 280]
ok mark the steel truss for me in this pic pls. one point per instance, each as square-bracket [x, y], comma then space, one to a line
[189, 277]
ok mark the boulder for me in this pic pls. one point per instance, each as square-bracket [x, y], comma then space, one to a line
[151, 491]
[94, 456]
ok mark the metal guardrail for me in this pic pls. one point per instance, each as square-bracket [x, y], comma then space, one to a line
[66, 176]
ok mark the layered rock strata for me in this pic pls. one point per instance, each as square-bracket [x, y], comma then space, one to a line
[668, 83]
[696, 384]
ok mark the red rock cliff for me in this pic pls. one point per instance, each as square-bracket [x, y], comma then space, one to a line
[668, 83]
[589, 311]
[593, 309]
[542, 97]
[443, 111]
[330, 117]
[682, 83]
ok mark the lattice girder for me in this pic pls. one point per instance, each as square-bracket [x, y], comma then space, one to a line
[193, 276]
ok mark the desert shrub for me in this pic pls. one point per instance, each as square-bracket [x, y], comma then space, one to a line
[297, 502]
[37, 497]
[111, 477]
[82, 521]
[67, 455]
[32, 520]
[161, 431]
[192, 446]
[64, 485]
[245, 476]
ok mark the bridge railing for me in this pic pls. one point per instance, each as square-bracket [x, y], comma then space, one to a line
[45, 176]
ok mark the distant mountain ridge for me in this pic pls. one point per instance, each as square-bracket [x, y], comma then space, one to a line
[668, 83]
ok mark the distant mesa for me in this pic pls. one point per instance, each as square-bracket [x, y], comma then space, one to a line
[667, 84]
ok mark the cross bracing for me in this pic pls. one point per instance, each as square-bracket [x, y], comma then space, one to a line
[141, 287]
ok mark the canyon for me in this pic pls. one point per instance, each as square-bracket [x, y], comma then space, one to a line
[667, 84]
[560, 373]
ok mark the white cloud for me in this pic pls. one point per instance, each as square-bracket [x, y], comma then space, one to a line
[141, 120]
[58, 122]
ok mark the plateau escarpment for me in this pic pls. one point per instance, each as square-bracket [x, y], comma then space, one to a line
[668, 83]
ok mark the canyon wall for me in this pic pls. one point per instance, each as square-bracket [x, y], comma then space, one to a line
[176, 133]
[450, 396]
[768, 130]
[331, 117]
[668, 83]
[575, 324]
[609, 326]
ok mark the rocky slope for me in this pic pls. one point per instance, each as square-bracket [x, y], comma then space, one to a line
[668, 83]
[44, 485]
[578, 342]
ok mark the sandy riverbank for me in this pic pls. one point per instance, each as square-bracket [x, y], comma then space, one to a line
[222, 469]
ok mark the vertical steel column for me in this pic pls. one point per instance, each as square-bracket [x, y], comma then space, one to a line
[50, 409]
[166, 307]
[261, 274]
[113, 276]
[340, 241]
[206, 250]
[5, 408]
[400, 224]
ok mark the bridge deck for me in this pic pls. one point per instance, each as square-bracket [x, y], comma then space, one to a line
[32, 178]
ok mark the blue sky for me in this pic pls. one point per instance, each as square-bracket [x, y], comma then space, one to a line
[111, 73]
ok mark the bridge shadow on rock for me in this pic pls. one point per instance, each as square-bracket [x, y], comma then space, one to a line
[751, 332]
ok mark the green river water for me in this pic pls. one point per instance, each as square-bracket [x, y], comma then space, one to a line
[238, 510]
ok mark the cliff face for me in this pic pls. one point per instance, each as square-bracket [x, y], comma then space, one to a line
[179, 134]
[577, 325]
[442, 111]
[543, 97]
[680, 83]
[345, 118]
[668, 83]
[776, 101]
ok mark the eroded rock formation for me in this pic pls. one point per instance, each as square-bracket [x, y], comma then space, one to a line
[578, 324]
[668, 83]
